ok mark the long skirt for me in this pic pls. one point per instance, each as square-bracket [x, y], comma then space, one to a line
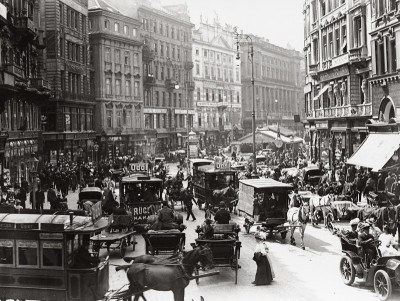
[264, 274]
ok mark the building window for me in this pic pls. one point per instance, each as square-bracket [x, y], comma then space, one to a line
[126, 29]
[324, 48]
[127, 88]
[116, 27]
[107, 24]
[108, 86]
[357, 32]
[197, 69]
[117, 56]
[337, 42]
[109, 113]
[134, 32]
[136, 59]
[127, 57]
[108, 55]
[393, 60]
[119, 118]
[118, 87]
[136, 89]
[128, 119]
[330, 37]
[147, 121]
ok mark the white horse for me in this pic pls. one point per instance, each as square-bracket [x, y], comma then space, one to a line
[298, 217]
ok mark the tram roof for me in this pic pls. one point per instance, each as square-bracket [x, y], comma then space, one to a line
[51, 223]
[200, 160]
[265, 183]
[212, 169]
[139, 178]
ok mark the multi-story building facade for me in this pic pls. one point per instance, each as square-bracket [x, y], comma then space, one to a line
[338, 65]
[68, 118]
[167, 32]
[385, 51]
[23, 88]
[278, 84]
[116, 53]
[217, 92]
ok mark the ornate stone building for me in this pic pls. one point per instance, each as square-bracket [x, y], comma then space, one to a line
[116, 55]
[278, 82]
[68, 117]
[217, 83]
[23, 88]
[338, 64]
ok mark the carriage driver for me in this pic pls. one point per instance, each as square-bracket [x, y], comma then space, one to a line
[222, 216]
[365, 241]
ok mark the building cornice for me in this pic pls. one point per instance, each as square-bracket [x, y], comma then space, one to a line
[104, 35]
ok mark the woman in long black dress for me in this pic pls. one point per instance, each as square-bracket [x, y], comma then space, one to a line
[265, 272]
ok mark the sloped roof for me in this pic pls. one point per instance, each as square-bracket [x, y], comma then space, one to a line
[101, 4]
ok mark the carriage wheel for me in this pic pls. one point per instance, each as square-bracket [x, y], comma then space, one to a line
[382, 285]
[122, 248]
[330, 220]
[283, 234]
[347, 270]
[196, 272]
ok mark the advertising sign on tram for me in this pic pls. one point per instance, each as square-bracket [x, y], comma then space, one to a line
[139, 167]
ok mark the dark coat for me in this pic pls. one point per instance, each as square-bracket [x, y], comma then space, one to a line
[264, 273]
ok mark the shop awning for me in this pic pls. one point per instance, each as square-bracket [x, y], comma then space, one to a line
[375, 151]
[322, 91]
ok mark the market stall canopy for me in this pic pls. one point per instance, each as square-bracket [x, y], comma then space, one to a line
[267, 136]
[376, 150]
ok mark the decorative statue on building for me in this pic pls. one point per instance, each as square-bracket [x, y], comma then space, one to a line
[364, 90]
[343, 90]
[336, 93]
[330, 97]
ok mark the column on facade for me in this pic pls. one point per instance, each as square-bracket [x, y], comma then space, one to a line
[363, 30]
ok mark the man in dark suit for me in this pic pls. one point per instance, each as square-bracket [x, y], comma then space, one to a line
[39, 199]
[222, 216]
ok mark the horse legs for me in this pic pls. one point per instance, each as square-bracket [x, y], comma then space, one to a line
[137, 296]
[302, 228]
[292, 241]
[179, 294]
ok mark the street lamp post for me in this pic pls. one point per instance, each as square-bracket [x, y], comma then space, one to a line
[292, 142]
[79, 153]
[253, 114]
[33, 164]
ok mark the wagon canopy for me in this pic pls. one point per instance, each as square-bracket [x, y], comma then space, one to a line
[266, 183]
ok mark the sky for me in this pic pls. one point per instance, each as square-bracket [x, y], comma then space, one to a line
[279, 21]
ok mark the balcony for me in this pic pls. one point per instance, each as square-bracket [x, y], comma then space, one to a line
[15, 70]
[313, 69]
[190, 85]
[170, 84]
[326, 65]
[149, 79]
[25, 25]
[342, 111]
[147, 54]
[358, 56]
[188, 65]
[39, 83]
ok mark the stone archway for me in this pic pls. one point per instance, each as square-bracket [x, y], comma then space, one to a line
[386, 109]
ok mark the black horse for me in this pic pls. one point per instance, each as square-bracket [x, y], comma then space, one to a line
[165, 276]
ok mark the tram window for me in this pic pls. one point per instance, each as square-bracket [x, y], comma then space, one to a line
[52, 254]
[27, 253]
[6, 252]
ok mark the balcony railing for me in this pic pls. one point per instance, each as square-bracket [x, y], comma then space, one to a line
[313, 68]
[357, 54]
[342, 111]
[188, 65]
[39, 83]
[149, 79]
[24, 23]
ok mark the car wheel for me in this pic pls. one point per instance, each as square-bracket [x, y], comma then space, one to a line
[382, 285]
[347, 270]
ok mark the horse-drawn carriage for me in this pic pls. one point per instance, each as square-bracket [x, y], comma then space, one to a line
[164, 241]
[266, 201]
[225, 246]
[37, 258]
[382, 272]
[209, 178]
[91, 195]
[141, 195]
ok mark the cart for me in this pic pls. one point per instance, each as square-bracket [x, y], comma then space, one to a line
[118, 237]
[266, 201]
[225, 246]
[164, 241]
